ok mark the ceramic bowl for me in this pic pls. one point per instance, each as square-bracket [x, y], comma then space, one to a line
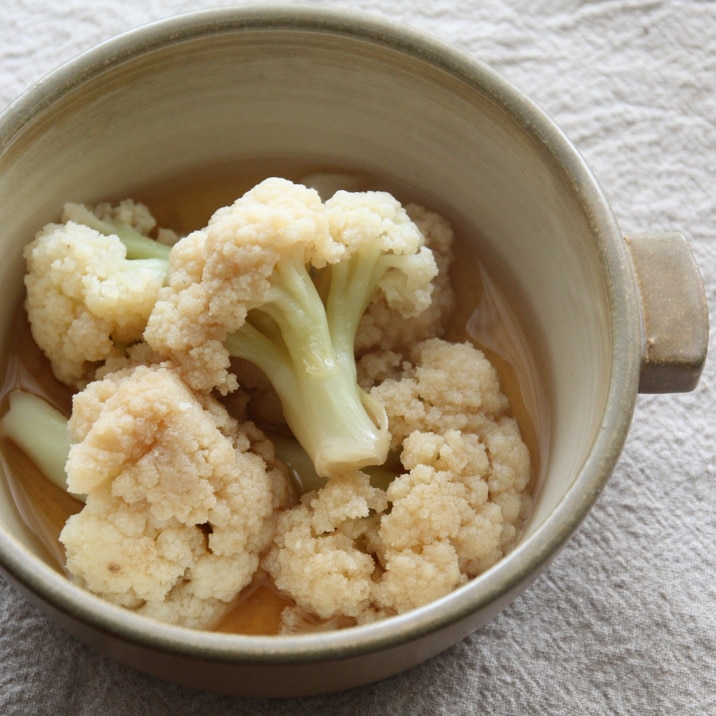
[349, 90]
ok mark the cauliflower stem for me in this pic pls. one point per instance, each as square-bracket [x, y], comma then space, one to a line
[138, 246]
[40, 430]
[306, 350]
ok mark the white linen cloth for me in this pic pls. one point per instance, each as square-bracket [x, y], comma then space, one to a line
[624, 620]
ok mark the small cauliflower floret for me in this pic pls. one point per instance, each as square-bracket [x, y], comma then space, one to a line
[281, 280]
[445, 385]
[381, 327]
[130, 220]
[415, 577]
[88, 294]
[179, 497]
[126, 213]
[316, 555]
[451, 393]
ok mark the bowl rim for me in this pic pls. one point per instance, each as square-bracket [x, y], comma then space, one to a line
[522, 563]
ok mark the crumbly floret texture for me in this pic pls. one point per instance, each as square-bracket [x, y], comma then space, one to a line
[85, 300]
[316, 556]
[442, 386]
[127, 212]
[377, 221]
[382, 327]
[217, 274]
[457, 508]
[180, 497]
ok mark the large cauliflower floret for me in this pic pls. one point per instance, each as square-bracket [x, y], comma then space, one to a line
[454, 512]
[449, 417]
[281, 280]
[85, 298]
[217, 274]
[445, 503]
[180, 497]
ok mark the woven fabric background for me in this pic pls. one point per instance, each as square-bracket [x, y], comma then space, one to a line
[624, 620]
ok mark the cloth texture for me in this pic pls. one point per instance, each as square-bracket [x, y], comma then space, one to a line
[624, 619]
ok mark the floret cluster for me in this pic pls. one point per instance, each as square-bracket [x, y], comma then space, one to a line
[387, 470]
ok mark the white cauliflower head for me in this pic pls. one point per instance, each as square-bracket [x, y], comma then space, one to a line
[375, 225]
[217, 274]
[316, 556]
[382, 327]
[180, 497]
[85, 299]
[458, 441]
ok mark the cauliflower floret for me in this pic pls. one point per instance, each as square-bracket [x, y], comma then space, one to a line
[381, 327]
[85, 299]
[281, 280]
[448, 416]
[375, 226]
[217, 274]
[444, 385]
[316, 555]
[454, 512]
[180, 497]
[443, 502]
[127, 212]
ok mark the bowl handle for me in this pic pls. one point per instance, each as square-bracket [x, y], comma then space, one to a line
[674, 311]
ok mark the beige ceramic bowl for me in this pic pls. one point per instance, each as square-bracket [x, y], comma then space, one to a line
[227, 85]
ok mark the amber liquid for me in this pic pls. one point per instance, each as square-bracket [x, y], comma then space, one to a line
[483, 314]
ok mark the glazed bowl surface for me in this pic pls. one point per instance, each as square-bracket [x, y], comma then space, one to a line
[341, 90]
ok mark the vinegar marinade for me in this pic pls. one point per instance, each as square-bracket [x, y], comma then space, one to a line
[483, 315]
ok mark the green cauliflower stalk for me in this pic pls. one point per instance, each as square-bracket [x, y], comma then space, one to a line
[305, 348]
